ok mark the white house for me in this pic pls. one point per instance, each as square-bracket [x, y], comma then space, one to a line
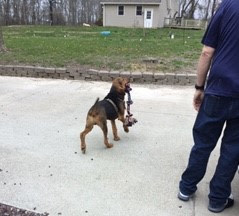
[138, 13]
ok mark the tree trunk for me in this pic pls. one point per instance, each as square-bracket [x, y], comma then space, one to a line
[207, 10]
[185, 7]
[16, 11]
[2, 47]
[7, 12]
[213, 7]
[51, 12]
[24, 12]
[33, 11]
[72, 11]
[189, 8]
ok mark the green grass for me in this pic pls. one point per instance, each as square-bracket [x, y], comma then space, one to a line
[124, 49]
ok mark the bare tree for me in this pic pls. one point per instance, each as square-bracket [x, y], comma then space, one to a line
[193, 8]
[6, 11]
[72, 11]
[188, 8]
[33, 11]
[2, 47]
[51, 5]
[184, 5]
[24, 12]
[50, 11]
[214, 6]
[16, 12]
[207, 10]
[38, 11]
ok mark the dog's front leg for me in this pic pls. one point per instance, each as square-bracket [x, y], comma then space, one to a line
[114, 129]
[122, 119]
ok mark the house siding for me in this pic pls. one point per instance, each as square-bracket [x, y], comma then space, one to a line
[162, 13]
[129, 19]
[166, 9]
[175, 7]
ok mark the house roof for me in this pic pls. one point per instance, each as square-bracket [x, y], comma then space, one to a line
[151, 2]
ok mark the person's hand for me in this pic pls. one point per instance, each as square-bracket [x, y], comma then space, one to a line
[197, 99]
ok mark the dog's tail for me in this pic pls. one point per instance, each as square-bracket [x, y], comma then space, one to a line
[97, 100]
[92, 109]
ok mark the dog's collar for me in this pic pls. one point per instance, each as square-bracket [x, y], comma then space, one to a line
[113, 104]
[120, 99]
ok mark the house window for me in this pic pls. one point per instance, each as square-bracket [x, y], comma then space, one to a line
[139, 9]
[121, 10]
[148, 15]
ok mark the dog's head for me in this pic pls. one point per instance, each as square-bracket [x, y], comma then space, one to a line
[120, 84]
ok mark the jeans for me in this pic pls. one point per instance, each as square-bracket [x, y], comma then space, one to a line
[214, 113]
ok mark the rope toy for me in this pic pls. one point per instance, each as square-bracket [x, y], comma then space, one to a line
[129, 120]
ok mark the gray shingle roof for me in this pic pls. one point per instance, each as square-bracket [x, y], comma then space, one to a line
[132, 1]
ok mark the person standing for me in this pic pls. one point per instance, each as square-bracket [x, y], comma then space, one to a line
[217, 101]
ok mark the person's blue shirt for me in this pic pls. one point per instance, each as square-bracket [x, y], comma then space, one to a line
[223, 35]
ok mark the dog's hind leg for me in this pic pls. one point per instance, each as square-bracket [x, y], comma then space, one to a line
[88, 128]
[103, 126]
[114, 129]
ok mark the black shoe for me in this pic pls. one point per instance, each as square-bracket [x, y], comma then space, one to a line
[184, 197]
[229, 203]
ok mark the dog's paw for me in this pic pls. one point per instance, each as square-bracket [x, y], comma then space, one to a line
[83, 150]
[126, 129]
[109, 145]
[116, 138]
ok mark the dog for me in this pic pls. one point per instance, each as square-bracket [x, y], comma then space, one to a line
[110, 108]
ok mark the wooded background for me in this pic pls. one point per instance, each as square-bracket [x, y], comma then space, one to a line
[74, 12]
[53, 12]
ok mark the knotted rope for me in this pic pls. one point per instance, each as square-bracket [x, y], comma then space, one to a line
[129, 120]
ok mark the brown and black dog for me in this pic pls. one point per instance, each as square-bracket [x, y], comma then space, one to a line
[111, 108]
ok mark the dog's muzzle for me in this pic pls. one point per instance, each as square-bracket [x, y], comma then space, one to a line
[127, 88]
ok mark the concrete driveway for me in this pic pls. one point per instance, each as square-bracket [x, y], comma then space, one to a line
[43, 170]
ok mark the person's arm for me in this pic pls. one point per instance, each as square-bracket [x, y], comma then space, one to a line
[202, 71]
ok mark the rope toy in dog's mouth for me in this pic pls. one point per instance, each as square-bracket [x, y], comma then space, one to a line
[129, 120]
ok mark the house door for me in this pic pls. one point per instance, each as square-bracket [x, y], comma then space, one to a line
[148, 18]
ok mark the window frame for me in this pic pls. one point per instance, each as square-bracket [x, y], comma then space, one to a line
[137, 10]
[120, 10]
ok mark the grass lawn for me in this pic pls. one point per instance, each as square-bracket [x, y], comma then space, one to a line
[123, 49]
